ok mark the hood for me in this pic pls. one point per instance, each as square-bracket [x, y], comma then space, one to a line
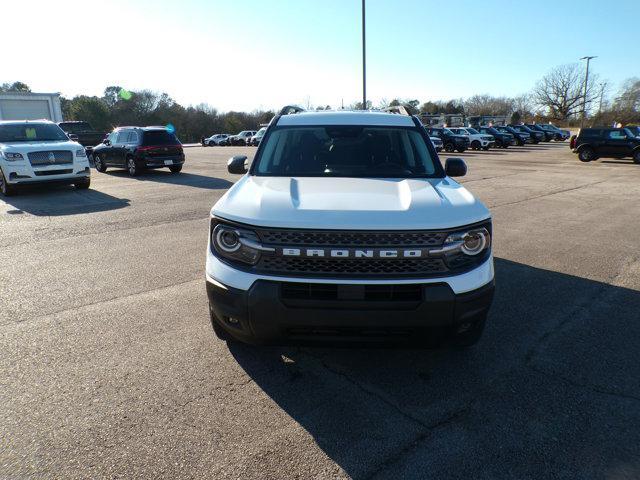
[350, 203]
[26, 147]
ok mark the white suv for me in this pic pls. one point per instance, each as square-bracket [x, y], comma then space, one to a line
[347, 227]
[39, 152]
[478, 140]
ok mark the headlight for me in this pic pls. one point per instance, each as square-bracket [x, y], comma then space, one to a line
[81, 153]
[12, 157]
[471, 243]
[236, 244]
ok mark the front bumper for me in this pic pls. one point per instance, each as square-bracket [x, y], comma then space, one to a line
[24, 173]
[268, 313]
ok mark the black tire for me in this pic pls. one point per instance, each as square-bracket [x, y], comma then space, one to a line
[6, 188]
[461, 150]
[485, 148]
[99, 164]
[176, 169]
[470, 336]
[83, 185]
[449, 147]
[475, 145]
[636, 156]
[586, 154]
[219, 332]
[132, 167]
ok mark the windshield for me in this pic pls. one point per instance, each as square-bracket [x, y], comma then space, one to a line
[261, 132]
[31, 132]
[346, 151]
[472, 131]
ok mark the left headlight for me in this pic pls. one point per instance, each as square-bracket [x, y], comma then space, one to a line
[235, 244]
[12, 157]
[81, 153]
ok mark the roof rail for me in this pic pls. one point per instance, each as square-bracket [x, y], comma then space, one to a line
[397, 109]
[291, 109]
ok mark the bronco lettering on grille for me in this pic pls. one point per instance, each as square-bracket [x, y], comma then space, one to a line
[360, 253]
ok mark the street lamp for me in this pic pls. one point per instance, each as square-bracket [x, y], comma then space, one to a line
[364, 60]
[586, 82]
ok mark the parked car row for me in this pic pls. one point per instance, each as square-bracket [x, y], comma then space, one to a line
[485, 137]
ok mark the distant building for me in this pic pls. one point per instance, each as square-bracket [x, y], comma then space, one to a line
[30, 106]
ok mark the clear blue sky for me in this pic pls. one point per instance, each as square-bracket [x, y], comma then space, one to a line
[248, 54]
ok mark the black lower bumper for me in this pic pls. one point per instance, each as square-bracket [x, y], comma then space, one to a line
[280, 312]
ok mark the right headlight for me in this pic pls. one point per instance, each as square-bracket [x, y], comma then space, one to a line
[12, 157]
[235, 244]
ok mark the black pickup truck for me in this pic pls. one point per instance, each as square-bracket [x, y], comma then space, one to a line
[83, 133]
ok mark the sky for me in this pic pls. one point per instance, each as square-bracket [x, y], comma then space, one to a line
[252, 54]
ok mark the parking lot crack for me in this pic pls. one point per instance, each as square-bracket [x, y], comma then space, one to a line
[548, 194]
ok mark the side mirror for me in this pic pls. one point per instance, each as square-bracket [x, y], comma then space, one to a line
[73, 137]
[237, 164]
[106, 141]
[455, 167]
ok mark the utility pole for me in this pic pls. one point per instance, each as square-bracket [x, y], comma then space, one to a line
[364, 60]
[586, 82]
[603, 85]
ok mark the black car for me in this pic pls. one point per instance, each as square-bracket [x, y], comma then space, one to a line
[548, 135]
[450, 140]
[522, 138]
[558, 134]
[593, 143]
[503, 139]
[139, 148]
[536, 135]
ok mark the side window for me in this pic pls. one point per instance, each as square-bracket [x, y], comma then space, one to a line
[133, 137]
[617, 135]
[122, 137]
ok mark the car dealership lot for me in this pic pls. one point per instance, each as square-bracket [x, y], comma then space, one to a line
[109, 367]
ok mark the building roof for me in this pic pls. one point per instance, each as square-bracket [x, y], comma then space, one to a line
[346, 117]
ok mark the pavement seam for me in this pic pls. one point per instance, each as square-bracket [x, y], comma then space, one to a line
[451, 417]
[550, 193]
[106, 300]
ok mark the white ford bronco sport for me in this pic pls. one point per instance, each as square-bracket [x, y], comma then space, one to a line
[347, 227]
[39, 151]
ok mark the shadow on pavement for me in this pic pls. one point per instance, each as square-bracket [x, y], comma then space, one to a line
[186, 179]
[552, 390]
[59, 200]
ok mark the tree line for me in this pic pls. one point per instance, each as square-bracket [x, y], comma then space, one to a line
[559, 96]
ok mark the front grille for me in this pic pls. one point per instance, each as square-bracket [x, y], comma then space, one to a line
[326, 238]
[51, 157]
[351, 268]
[338, 292]
[53, 172]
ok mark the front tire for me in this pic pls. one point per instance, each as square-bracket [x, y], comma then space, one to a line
[219, 332]
[132, 167]
[449, 147]
[636, 156]
[99, 164]
[6, 188]
[176, 169]
[83, 185]
[469, 336]
[586, 154]
[475, 145]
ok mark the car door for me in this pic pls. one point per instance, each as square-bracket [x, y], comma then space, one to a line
[106, 150]
[616, 143]
[119, 148]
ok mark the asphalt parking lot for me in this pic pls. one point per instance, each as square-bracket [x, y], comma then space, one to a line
[109, 368]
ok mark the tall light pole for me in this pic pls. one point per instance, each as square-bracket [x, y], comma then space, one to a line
[364, 60]
[586, 82]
